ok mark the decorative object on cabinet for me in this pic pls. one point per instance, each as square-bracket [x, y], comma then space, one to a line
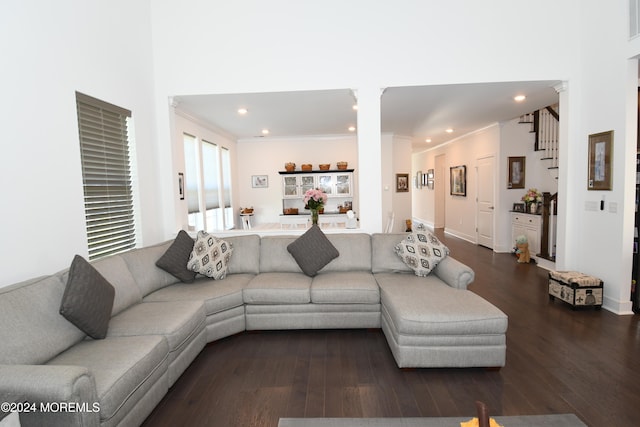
[342, 165]
[307, 167]
[518, 207]
[402, 182]
[181, 185]
[324, 166]
[458, 176]
[260, 181]
[600, 161]
[314, 200]
[516, 172]
[289, 167]
[532, 198]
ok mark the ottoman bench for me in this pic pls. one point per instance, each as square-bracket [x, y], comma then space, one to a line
[430, 324]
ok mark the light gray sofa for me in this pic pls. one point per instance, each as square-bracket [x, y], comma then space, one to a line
[159, 324]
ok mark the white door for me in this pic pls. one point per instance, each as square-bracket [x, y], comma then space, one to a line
[485, 202]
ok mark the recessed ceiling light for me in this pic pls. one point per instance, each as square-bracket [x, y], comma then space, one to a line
[519, 98]
[242, 111]
[449, 130]
[265, 131]
[352, 128]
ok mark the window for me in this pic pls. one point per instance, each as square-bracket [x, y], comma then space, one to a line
[208, 184]
[106, 176]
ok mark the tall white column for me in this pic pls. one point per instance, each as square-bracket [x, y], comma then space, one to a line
[369, 159]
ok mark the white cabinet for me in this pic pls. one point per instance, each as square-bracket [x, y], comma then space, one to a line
[294, 186]
[528, 225]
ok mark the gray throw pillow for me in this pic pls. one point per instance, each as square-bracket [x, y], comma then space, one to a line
[312, 251]
[88, 299]
[175, 259]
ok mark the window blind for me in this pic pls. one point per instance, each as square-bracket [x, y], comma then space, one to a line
[106, 174]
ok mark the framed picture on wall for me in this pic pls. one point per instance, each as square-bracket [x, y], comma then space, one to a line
[402, 182]
[515, 179]
[600, 161]
[260, 181]
[458, 176]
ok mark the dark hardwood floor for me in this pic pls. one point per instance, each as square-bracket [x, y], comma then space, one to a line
[585, 362]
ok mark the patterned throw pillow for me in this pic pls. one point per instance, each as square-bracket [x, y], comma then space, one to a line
[421, 251]
[210, 256]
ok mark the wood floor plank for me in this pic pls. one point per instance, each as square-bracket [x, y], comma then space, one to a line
[558, 360]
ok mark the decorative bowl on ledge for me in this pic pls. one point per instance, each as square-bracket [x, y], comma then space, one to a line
[324, 166]
[289, 167]
[342, 165]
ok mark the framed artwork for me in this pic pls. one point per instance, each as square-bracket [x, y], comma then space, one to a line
[516, 172]
[402, 182]
[430, 184]
[518, 207]
[181, 185]
[600, 161]
[458, 176]
[259, 181]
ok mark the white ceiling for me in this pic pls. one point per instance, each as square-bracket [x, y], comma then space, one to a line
[418, 112]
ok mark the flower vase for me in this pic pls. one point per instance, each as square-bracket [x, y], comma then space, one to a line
[314, 216]
[533, 208]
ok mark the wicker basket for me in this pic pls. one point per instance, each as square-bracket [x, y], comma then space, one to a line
[306, 167]
[291, 211]
[324, 166]
[342, 165]
[289, 167]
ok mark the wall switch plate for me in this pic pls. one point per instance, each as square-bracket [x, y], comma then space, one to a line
[590, 206]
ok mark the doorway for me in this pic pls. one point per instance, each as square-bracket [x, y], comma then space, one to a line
[485, 202]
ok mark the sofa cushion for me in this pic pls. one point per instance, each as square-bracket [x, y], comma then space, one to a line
[354, 249]
[421, 251]
[116, 271]
[274, 256]
[33, 331]
[427, 306]
[312, 251]
[142, 265]
[246, 254]
[88, 299]
[176, 320]
[210, 256]
[278, 288]
[383, 255]
[175, 259]
[217, 295]
[352, 287]
[124, 368]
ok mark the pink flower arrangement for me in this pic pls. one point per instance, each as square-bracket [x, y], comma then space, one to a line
[532, 196]
[314, 199]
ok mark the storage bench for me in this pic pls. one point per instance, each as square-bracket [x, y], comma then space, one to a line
[577, 289]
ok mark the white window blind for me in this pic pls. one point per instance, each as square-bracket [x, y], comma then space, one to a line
[106, 174]
[191, 171]
[210, 174]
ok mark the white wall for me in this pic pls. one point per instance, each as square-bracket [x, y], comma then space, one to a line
[49, 51]
[267, 156]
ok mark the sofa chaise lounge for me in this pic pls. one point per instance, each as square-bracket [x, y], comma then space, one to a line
[158, 324]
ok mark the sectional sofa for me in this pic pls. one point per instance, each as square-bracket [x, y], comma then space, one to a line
[158, 324]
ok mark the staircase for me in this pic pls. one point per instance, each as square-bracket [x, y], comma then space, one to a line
[545, 124]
